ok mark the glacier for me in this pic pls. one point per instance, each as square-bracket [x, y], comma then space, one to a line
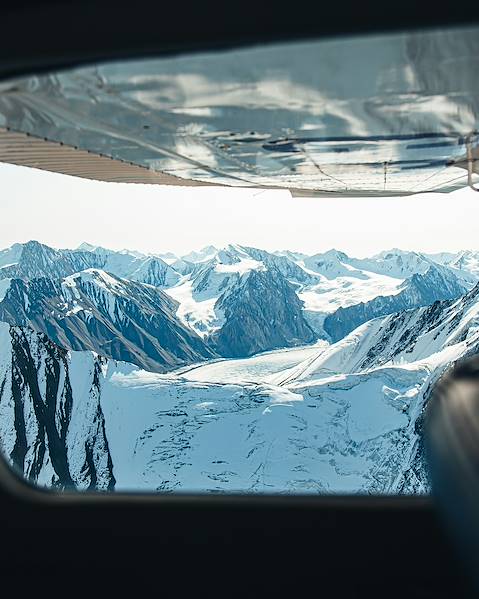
[129, 429]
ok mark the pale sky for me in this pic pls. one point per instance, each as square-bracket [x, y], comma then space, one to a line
[63, 211]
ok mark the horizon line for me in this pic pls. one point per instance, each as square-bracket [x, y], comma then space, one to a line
[133, 251]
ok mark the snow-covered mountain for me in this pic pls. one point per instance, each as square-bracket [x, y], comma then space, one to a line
[33, 259]
[114, 426]
[117, 318]
[336, 293]
[317, 419]
[437, 283]
[290, 269]
[325, 283]
[52, 427]
[240, 300]
[396, 263]
[323, 418]
[433, 335]
[211, 278]
[202, 255]
[467, 261]
[152, 270]
[331, 265]
[261, 311]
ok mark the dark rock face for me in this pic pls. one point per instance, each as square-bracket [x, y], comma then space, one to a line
[261, 312]
[289, 269]
[116, 318]
[154, 271]
[39, 400]
[419, 290]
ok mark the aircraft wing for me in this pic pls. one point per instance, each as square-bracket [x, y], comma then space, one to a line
[371, 116]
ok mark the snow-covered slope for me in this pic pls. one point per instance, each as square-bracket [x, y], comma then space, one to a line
[437, 283]
[397, 263]
[11, 256]
[198, 436]
[203, 255]
[403, 264]
[153, 271]
[52, 427]
[33, 259]
[331, 265]
[434, 335]
[323, 419]
[329, 295]
[467, 261]
[255, 369]
[354, 281]
[111, 425]
[198, 293]
[242, 302]
[115, 317]
[292, 270]
[324, 283]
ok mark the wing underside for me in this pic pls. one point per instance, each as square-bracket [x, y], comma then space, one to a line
[388, 115]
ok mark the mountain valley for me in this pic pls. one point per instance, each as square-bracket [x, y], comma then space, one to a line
[228, 369]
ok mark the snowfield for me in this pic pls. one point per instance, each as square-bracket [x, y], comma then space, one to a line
[256, 369]
[354, 434]
[197, 313]
[120, 427]
[329, 295]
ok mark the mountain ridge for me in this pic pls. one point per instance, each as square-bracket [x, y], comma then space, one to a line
[418, 290]
[336, 293]
[117, 318]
